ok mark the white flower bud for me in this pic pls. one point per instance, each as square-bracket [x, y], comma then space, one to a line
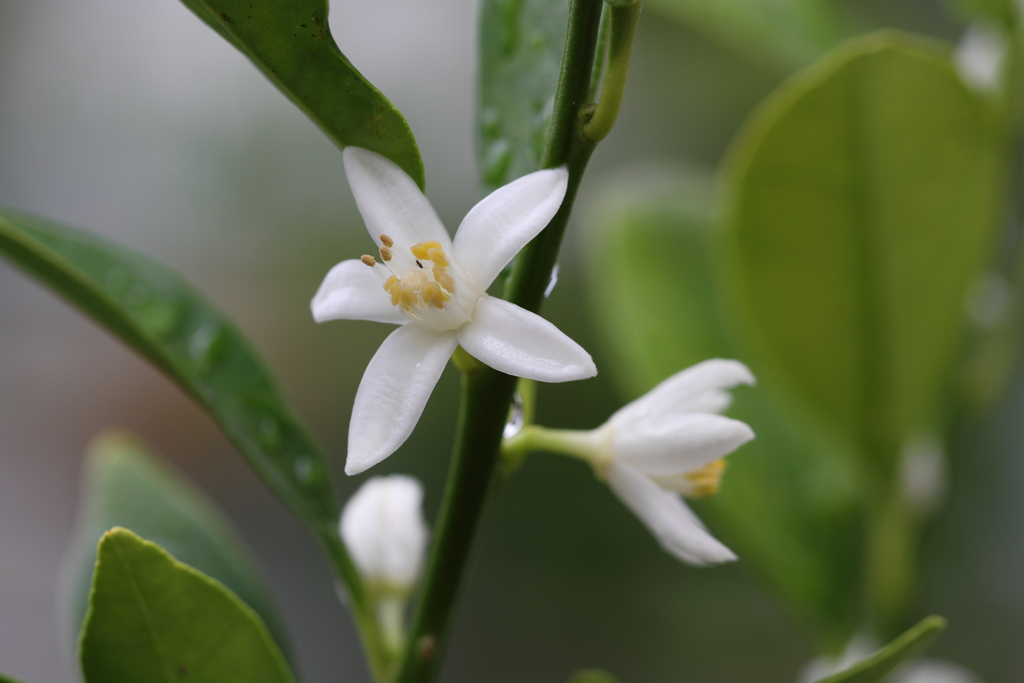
[386, 535]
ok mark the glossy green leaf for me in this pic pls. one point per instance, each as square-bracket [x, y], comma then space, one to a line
[521, 45]
[125, 484]
[152, 618]
[290, 41]
[787, 33]
[154, 311]
[592, 676]
[905, 648]
[789, 502]
[861, 202]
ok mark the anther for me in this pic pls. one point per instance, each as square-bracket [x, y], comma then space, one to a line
[385, 254]
[368, 260]
[387, 241]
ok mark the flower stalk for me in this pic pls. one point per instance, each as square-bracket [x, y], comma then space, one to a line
[487, 393]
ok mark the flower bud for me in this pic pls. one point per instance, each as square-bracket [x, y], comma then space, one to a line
[383, 527]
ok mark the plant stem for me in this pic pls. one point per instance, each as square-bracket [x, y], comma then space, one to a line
[487, 393]
[360, 604]
[622, 21]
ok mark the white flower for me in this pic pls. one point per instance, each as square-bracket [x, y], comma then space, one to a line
[383, 527]
[441, 285]
[671, 441]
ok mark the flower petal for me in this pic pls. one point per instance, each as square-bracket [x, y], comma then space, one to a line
[351, 291]
[494, 230]
[390, 201]
[664, 446]
[675, 526]
[520, 343]
[393, 392]
[697, 389]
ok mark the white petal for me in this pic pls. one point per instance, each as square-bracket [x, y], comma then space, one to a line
[675, 526]
[383, 527]
[520, 343]
[664, 446]
[393, 392]
[697, 389]
[494, 231]
[351, 291]
[390, 201]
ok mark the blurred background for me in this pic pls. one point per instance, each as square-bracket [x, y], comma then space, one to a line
[136, 121]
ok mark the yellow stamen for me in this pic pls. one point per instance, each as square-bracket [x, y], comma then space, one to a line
[438, 257]
[368, 260]
[422, 249]
[385, 254]
[706, 480]
[433, 295]
[387, 241]
[444, 279]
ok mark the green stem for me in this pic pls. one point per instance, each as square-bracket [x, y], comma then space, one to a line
[487, 393]
[891, 571]
[623, 27]
[360, 603]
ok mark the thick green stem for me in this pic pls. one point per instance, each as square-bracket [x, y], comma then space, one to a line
[486, 393]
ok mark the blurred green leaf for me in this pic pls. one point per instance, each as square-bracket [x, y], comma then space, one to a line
[152, 618]
[158, 314]
[521, 45]
[788, 33]
[905, 648]
[861, 205]
[592, 676]
[290, 41]
[125, 484]
[789, 501]
[8, 679]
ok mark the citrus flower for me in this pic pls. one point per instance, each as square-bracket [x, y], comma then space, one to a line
[670, 441]
[439, 285]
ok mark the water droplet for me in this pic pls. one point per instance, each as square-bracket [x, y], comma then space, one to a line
[552, 282]
[304, 469]
[515, 417]
[159, 316]
[490, 123]
[496, 161]
[206, 344]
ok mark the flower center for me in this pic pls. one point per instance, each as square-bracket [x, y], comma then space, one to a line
[425, 283]
[705, 480]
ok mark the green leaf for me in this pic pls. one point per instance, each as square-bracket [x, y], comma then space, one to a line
[861, 202]
[790, 499]
[125, 484]
[905, 648]
[787, 33]
[154, 311]
[8, 679]
[521, 44]
[592, 676]
[290, 41]
[152, 618]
